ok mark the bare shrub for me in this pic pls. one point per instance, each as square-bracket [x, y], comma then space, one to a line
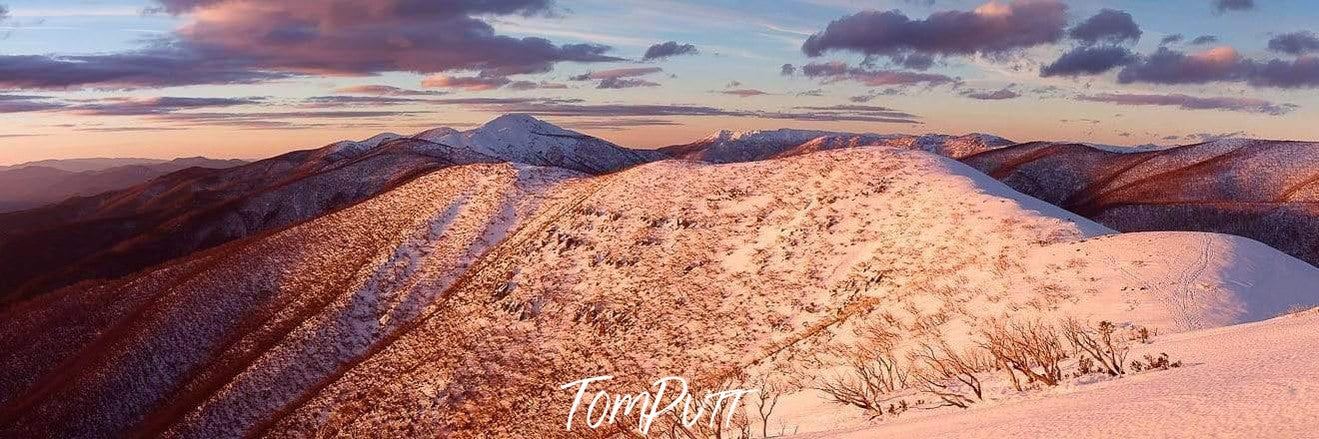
[1031, 348]
[950, 375]
[767, 399]
[1098, 344]
[1141, 334]
[1161, 362]
[868, 384]
[1296, 310]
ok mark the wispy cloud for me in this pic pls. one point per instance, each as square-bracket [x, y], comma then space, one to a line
[1186, 102]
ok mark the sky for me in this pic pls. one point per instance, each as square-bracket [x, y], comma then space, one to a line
[253, 78]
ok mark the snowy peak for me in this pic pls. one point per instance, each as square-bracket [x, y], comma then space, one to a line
[521, 138]
[523, 123]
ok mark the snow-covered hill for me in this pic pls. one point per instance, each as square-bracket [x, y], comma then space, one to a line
[458, 303]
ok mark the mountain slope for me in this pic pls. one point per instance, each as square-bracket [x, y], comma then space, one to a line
[398, 315]
[1265, 190]
[117, 233]
[28, 186]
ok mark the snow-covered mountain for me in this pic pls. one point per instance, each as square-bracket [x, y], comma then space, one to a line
[458, 302]
[745, 146]
[520, 138]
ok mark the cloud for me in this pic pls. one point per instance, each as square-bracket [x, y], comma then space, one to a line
[124, 129]
[620, 78]
[1107, 26]
[1295, 43]
[1221, 6]
[872, 94]
[1239, 104]
[993, 28]
[1301, 73]
[562, 108]
[118, 106]
[617, 73]
[469, 83]
[1222, 64]
[245, 41]
[277, 119]
[529, 85]
[668, 49]
[1171, 39]
[871, 110]
[505, 101]
[788, 70]
[4, 12]
[27, 103]
[173, 113]
[372, 36]
[7, 97]
[161, 66]
[1204, 39]
[744, 93]
[1167, 66]
[1089, 60]
[995, 95]
[336, 101]
[835, 71]
[386, 90]
[616, 124]
[616, 83]
[914, 61]
[1174, 67]
[133, 106]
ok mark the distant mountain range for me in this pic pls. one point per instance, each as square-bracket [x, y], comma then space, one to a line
[746, 146]
[40, 183]
[86, 164]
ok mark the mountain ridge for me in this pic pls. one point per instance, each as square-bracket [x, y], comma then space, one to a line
[41, 183]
